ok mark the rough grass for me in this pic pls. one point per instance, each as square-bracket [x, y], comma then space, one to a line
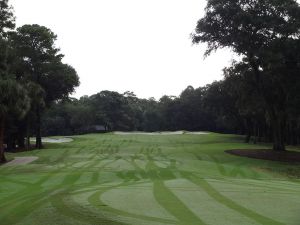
[153, 180]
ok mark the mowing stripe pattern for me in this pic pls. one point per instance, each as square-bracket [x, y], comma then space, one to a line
[137, 179]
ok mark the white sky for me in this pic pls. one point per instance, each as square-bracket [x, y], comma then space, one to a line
[142, 46]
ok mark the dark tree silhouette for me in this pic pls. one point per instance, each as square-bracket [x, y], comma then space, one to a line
[265, 33]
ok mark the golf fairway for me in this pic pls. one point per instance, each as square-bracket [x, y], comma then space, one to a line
[137, 179]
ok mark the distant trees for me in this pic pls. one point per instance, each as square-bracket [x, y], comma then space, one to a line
[112, 110]
[126, 112]
[232, 105]
[32, 76]
[266, 34]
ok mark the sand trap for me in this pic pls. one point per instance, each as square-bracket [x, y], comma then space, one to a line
[133, 133]
[197, 133]
[171, 133]
[57, 140]
[149, 133]
[159, 133]
[21, 161]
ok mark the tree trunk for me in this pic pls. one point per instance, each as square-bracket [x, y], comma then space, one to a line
[248, 137]
[248, 130]
[27, 134]
[278, 133]
[289, 133]
[259, 135]
[277, 119]
[297, 136]
[38, 143]
[255, 132]
[2, 155]
[21, 140]
[11, 143]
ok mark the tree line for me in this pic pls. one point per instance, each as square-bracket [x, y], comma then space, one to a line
[259, 96]
[266, 36]
[125, 112]
[226, 106]
[32, 76]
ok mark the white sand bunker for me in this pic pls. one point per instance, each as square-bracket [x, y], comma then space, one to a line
[197, 133]
[171, 133]
[57, 140]
[131, 133]
[149, 133]
[159, 133]
[21, 161]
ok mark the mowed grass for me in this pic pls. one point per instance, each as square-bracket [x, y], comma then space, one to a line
[149, 180]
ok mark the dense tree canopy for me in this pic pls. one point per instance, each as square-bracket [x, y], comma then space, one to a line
[32, 76]
[259, 96]
[266, 34]
[7, 19]
[11, 93]
[40, 62]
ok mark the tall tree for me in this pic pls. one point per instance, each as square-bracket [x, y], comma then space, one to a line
[264, 32]
[12, 95]
[41, 64]
[7, 22]
[13, 101]
[7, 19]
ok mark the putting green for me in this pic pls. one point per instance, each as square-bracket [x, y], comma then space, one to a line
[134, 179]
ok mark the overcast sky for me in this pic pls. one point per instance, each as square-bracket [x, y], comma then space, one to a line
[142, 46]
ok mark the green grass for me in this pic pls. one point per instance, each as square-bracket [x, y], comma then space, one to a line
[149, 180]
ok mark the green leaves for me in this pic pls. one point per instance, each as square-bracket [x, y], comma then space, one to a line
[35, 45]
[13, 98]
[247, 26]
[267, 34]
[41, 59]
[7, 19]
